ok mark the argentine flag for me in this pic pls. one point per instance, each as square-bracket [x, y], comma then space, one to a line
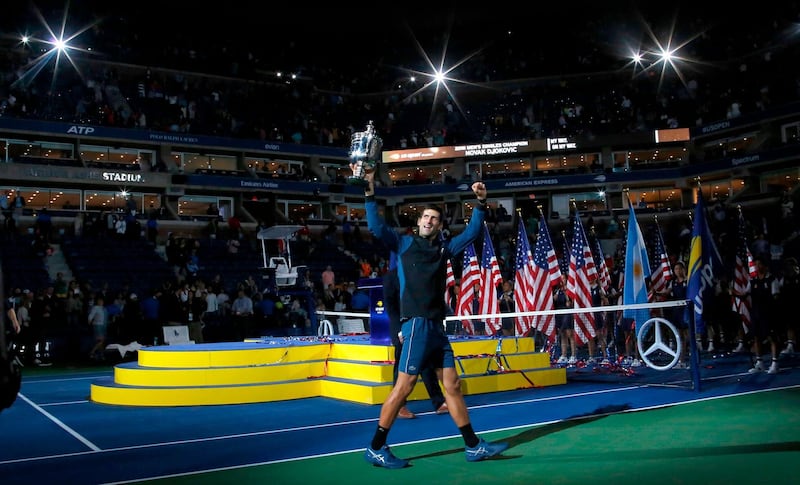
[637, 268]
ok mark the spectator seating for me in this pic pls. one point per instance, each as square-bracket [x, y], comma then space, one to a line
[233, 268]
[22, 266]
[119, 262]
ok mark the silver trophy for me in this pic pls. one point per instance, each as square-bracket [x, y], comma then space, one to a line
[365, 152]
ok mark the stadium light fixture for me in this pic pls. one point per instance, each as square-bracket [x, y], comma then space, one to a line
[57, 45]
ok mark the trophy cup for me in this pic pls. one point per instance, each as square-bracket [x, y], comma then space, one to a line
[365, 150]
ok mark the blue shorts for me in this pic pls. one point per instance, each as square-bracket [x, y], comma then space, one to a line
[599, 320]
[565, 321]
[424, 345]
[680, 317]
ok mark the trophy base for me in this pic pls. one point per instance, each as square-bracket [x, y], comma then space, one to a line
[358, 182]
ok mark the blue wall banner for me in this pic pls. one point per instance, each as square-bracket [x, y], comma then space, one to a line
[183, 139]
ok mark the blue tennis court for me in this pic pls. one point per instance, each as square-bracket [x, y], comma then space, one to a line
[55, 434]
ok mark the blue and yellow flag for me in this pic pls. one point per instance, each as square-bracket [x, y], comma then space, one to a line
[705, 265]
[637, 269]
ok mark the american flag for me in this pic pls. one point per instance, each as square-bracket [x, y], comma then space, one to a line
[603, 275]
[582, 272]
[545, 275]
[490, 280]
[449, 283]
[563, 258]
[523, 280]
[745, 270]
[619, 272]
[470, 276]
[623, 250]
[660, 272]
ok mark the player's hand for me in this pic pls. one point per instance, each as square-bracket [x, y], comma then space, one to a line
[366, 168]
[479, 188]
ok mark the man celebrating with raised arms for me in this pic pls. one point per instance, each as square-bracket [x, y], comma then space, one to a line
[421, 271]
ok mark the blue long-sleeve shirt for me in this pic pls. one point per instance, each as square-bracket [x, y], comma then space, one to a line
[422, 263]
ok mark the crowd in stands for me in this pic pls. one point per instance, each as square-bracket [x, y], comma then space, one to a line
[219, 89]
[532, 90]
[214, 285]
[219, 309]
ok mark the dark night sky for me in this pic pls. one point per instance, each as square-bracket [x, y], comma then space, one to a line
[340, 35]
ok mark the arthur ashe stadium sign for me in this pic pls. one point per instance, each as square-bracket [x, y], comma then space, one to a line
[13, 171]
[123, 177]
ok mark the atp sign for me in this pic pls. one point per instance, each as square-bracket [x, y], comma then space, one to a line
[80, 130]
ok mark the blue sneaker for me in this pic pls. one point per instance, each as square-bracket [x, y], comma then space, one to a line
[484, 450]
[384, 458]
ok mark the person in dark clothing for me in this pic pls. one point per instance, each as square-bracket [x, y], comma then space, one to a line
[763, 328]
[132, 320]
[421, 274]
[391, 303]
[44, 223]
[173, 309]
[151, 328]
[788, 296]
[10, 364]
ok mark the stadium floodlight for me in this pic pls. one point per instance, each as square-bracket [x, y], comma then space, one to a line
[56, 46]
[664, 54]
[441, 75]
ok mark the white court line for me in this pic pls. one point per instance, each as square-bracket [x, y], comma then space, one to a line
[302, 428]
[366, 420]
[28, 381]
[61, 424]
[65, 403]
[440, 438]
